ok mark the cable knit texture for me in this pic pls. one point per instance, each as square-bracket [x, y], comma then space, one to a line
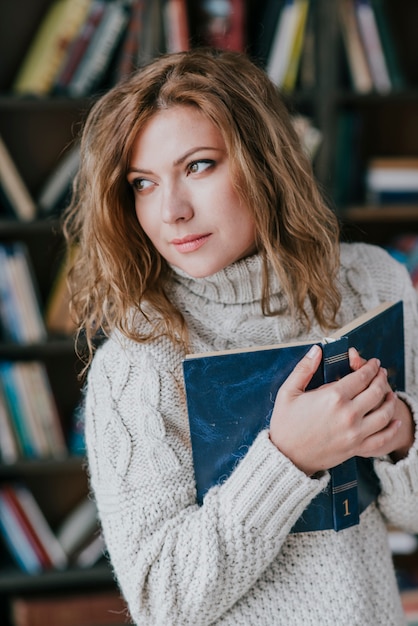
[232, 561]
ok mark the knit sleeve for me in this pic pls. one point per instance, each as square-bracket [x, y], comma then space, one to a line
[390, 280]
[178, 563]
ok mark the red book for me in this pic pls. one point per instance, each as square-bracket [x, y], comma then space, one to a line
[10, 497]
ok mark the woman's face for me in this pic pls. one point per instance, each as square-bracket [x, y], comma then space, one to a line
[184, 198]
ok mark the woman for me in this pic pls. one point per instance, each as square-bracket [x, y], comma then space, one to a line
[199, 227]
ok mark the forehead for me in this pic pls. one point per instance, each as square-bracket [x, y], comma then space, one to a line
[174, 129]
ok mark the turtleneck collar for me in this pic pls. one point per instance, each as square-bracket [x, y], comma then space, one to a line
[238, 283]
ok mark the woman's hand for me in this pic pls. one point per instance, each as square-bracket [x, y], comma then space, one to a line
[405, 435]
[357, 415]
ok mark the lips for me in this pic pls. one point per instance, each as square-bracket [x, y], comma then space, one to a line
[190, 243]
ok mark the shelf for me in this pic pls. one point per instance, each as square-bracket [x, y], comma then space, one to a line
[52, 347]
[14, 581]
[392, 213]
[32, 467]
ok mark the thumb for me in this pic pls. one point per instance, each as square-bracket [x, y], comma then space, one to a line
[302, 374]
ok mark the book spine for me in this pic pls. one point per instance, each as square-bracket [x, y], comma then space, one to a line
[373, 46]
[7, 378]
[41, 527]
[28, 410]
[50, 45]
[356, 56]
[99, 53]
[290, 77]
[79, 46]
[17, 542]
[9, 495]
[280, 51]
[14, 187]
[391, 54]
[48, 414]
[9, 449]
[32, 327]
[344, 482]
[176, 25]
[10, 327]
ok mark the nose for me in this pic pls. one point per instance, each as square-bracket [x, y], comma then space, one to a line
[176, 203]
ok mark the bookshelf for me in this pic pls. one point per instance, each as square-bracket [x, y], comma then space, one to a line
[39, 129]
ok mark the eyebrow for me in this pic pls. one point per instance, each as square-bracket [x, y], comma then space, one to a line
[180, 160]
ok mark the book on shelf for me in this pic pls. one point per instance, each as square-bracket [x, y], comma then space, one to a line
[394, 66]
[16, 540]
[91, 608]
[375, 54]
[27, 532]
[58, 318]
[230, 398]
[78, 46]
[31, 411]
[347, 186]
[9, 448]
[42, 61]
[14, 193]
[20, 311]
[101, 49]
[266, 30]
[292, 12]
[292, 70]
[152, 40]
[56, 190]
[224, 24]
[127, 59]
[392, 180]
[78, 527]
[409, 599]
[176, 25]
[358, 65]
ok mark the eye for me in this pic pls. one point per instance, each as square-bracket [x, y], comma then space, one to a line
[141, 184]
[197, 167]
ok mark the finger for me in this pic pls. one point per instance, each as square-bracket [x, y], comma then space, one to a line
[374, 395]
[303, 372]
[356, 361]
[356, 382]
[379, 421]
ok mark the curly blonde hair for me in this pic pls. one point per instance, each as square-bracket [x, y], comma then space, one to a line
[116, 268]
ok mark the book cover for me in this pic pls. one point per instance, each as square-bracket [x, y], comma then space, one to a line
[230, 398]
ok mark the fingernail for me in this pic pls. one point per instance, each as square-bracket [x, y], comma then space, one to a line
[313, 351]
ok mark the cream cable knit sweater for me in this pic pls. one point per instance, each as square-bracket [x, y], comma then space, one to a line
[232, 561]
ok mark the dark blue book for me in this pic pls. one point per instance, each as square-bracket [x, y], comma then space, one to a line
[230, 399]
